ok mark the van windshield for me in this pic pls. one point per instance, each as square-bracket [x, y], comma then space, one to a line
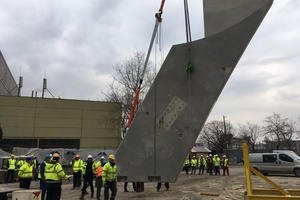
[294, 156]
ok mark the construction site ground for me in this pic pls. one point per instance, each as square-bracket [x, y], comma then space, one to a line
[187, 187]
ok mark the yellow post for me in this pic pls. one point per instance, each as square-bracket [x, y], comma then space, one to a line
[247, 169]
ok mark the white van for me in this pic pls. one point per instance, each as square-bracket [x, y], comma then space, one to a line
[276, 163]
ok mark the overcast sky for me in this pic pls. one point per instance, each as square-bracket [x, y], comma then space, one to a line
[75, 44]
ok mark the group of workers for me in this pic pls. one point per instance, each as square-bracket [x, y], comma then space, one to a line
[104, 173]
[50, 173]
[210, 163]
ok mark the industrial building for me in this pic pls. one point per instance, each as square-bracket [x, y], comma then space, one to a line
[55, 123]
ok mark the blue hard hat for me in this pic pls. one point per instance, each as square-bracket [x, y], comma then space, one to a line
[48, 156]
[28, 158]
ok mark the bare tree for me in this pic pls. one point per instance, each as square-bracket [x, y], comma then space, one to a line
[125, 79]
[215, 135]
[282, 129]
[249, 133]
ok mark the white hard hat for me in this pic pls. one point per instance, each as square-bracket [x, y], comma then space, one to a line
[90, 156]
[193, 156]
[224, 156]
[102, 157]
[210, 155]
[201, 155]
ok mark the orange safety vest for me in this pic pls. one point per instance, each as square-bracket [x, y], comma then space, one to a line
[99, 171]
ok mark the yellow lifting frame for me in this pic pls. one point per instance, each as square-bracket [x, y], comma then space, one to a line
[264, 194]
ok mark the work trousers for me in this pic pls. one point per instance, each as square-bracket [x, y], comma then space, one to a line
[210, 169]
[225, 169]
[99, 186]
[186, 167]
[10, 174]
[193, 170]
[53, 190]
[201, 169]
[217, 170]
[25, 182]
[87, 181]
[112, 186]
[159, 186]
[77, 179]
[43, 188]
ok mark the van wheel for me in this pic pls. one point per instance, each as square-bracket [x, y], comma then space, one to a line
[297, 172]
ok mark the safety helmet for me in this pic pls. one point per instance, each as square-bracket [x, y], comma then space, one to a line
[209, 155]
[28, 158]
[224, 156]
[55, 155]
[47, 156]
[194, 156]
[111, 156]
[12, 155]
[90, 156]
[102, 157]
[201, 155]
[77, 156]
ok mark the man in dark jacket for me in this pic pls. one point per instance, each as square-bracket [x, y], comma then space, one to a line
[88, 176]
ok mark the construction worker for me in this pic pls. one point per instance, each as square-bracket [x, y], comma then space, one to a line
[35, 167]
[54, 174]
[109, 178]
[96, 165]
[99, 177]
[88, 176]
[194, 164]
[77, 165]
[216, 162]
[25, 173]
[202, 164]
[210, 164]
[41, 175]
[159, 186]
[11, 166]
[187, 166]
[21, 162]
[225, 165]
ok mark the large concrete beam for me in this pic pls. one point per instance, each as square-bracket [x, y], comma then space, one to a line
[178, 103]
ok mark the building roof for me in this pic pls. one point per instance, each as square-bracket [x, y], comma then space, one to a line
[200, 149]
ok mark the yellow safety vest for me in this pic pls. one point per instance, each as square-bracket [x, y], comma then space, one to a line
[77, 165]
[225, 162]
[25, 171]
[194, 162]
[20, 163]
[54, 171]
[11, 164]
[109, 173]
[202, 162]
[95, 166]
[187, 162]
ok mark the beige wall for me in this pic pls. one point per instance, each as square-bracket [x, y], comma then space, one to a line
[96, 124]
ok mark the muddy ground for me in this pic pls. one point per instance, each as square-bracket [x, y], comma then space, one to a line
[188, 187]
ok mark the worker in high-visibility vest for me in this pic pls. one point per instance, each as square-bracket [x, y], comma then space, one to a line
[109, 178]
[21, 162]
[194, 163]
[54, 174]
[77, 165]
[99, 177]
[11, 166]
[225, 165]
[187, 166]
[41, 175]
[202, 164]
[216, 163]
[25, 173]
